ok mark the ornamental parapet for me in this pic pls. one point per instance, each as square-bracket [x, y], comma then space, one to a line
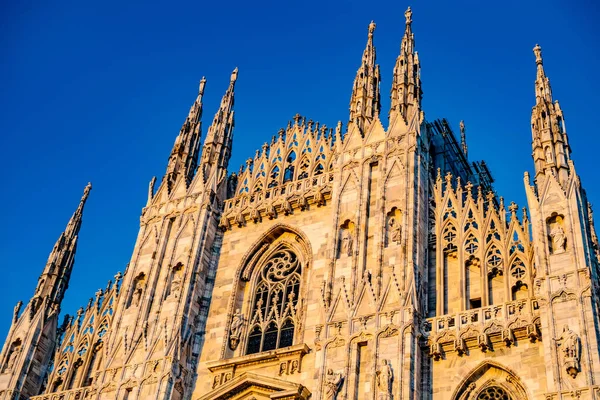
[272, 202]
[484, 328]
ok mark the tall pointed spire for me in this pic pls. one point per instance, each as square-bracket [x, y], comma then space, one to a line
[550, 145]
[184, 156]
[217, 147]
[406, 85]
[32, 336]
[365, 101]
[54, 280]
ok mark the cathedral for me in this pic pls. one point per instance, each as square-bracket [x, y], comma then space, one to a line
[360, 261]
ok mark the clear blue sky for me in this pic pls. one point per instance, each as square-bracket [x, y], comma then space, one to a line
[97, 91]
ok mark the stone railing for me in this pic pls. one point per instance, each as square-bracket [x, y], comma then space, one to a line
[73, 394]
[285, 190]
[277, 200]
[483, 327]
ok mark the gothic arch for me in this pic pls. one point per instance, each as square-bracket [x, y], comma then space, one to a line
[486, 375]
[268, 243]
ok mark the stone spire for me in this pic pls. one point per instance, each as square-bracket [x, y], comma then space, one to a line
[551, 152]
[406, 85]
[217, 147]
[32, 336]
[54, 280]
[365, 101]
[463, 139]
[184, 156]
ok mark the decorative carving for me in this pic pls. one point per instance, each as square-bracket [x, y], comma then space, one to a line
[333, 383]
[224, 223]
[235, 329]
[384, 380]
[435, 350]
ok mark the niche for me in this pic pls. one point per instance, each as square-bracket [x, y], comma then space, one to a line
[519, 291]
[138, 285]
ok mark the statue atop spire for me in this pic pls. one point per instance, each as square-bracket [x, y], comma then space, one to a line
[537, 50]
[365, 100]
[549, 137]
[408, 16]
[217, 146]
[184, 155]
[406, 91]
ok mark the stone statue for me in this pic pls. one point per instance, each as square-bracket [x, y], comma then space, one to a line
[151, 189]
[12, 358]
[384, 380]
[395, 231]
[347, 241]
[16, 310]
[137, 293]
[235, 329]
[559, 239]
[571, 347]
[176, 283]
[549, 158]
[232, 184]
[333, 383]
[570, 343]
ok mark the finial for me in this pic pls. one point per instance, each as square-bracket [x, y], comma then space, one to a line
[297, 118]
[202, 85]
[87, 189]
[408, 16]
[372, 27]
[537, 50]
[234, 75]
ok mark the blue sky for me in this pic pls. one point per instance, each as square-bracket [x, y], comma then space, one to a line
[98, 91]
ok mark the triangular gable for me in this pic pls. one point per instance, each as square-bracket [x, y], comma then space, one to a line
[248, 384]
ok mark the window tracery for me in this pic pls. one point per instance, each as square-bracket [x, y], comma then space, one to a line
[493, 393]
[273, 314]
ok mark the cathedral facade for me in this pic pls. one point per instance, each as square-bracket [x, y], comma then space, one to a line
[354, 262]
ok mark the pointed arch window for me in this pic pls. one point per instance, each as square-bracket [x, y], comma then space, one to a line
[273, 313]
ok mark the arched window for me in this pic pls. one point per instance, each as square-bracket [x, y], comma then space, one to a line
[273, 312]
[493, 393]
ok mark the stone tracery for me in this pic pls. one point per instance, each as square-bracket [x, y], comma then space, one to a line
[272, 317]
